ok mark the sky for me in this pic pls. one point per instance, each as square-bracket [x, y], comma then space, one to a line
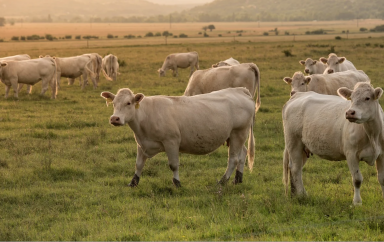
[180, 1]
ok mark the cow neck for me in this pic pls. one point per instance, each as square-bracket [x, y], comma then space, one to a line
[374, 130]
[136, 123]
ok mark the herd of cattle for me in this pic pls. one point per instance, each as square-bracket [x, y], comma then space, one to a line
[18, 70]
[333, 112]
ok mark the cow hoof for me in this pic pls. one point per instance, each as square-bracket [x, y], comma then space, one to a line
[238, 178]
[223, 180]
[176, 182]
[135, 181]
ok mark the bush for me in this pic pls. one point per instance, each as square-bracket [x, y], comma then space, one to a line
[363, 29]
[90, 37]
[158, 34]
[15, 38]
[220, 35]
[110, 36]
[205, 35]
[78, 37]
[149, 34]
[379, 28]
[68, 37]
[130, 36]
[1, 40]
[266, 33]
[319, 31]
[338, 37]
[22, 38]
[183, 35]
[49, 37]
[199, 33]
[287, 53]
[175, 36]
[286, 33]
[33, 37]
[122, 63]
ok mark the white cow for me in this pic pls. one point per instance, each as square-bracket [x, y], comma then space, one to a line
[194, 125]
[17, 58]
[349, 128]
[29, 72]
[110, 67]
[227, 62]
[313, 66]
[96, 67]
[336, 64]
[243, 75]
[180, 60]
[325, 84]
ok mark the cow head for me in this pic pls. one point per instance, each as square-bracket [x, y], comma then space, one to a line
[161, 72]
[298, 82]
[2, 64]
[333, 63]
[364, 102]
[309, 66]
[125, 104]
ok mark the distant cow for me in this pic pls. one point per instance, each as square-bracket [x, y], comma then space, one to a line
[243, 75]
[194, 125]
[334, 128]
[336, 64]
[96, 68]
[110, 67]
[325, 84]
[180, 60]
[227, 62]
[313, 66]
[29, 72]
[18, 58]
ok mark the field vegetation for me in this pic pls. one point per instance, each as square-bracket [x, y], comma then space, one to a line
[64, 170]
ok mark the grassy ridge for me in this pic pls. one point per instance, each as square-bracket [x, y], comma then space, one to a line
[64, 170]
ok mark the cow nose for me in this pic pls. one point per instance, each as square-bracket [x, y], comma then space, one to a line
[115, 120]
[306, 71]
[330, 71]
[350, 113]
[293, 93]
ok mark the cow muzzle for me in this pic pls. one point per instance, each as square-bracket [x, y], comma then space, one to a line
[115, 121]
[293, 93]
[306, 71]
[351, 116]
[330, 71]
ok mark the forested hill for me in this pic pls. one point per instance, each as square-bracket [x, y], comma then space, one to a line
[287, 10]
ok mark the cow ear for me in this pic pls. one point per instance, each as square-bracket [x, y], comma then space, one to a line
[314, 62]
[158, 70]
[215, 65]
[341, 59]
[324, 60]
[307, 79]
[288, 80]
[302, 62]
[139, 97]
[108, 97]
[41, 56]
[345, 93]
[378, 92]
[4, 64]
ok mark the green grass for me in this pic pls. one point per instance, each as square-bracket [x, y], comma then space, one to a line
[64, 171]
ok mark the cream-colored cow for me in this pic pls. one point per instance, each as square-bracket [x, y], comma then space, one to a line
[180, 60]
[336, 64]
[313, 66]
[227, 62]
[325, 84]
[349, 128]
[194, 125]
[110, 67]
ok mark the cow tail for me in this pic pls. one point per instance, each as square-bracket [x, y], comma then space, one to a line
[106, 75]
[92, 74]
[257, 75]
[54, 79]
[251, 146]
[286, 170]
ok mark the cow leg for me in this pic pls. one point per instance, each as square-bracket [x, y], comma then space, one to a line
[29, 89]
[58, 76]
[140, 162]
[296, 155]
[7, 88]
[85, 80]
[192, 70]
[240, 167]
[172, 151]
[53, 87]
[357, 178]
[380, 171]
[20, 86]
[44, 86]
[14, 84]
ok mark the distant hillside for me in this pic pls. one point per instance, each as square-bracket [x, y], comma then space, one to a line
[75, 10]
[287, 10]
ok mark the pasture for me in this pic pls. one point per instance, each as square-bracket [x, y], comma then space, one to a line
[64, 170]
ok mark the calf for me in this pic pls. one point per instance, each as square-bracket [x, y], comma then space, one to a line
[180, 60]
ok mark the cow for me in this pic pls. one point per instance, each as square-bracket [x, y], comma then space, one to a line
[29, 72]
[243, 75]
[110, 67]
[194, 125]
[180, 60]
[349, 127]
[313, 66]
[17, 58]
[336, 64]
[227, 62]
[96, 64]
[325, 84]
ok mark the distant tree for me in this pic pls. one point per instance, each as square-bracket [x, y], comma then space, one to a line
[110, 36]
[49, 37]
[166, 34]
[149, 34]
[211, 27]
[2, 21]
[363, 29]
[276, 31]
[205, 28]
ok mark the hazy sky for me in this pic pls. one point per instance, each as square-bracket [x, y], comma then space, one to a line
[180, 1]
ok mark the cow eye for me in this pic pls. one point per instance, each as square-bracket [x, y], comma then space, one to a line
[302, 83]
[128, 103]
[367, 99]
[337, 62]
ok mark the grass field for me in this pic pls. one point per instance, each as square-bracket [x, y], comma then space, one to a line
[64, 170]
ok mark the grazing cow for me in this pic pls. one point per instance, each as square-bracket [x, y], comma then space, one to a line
[180, 60]
[96, 67]
[110, 67]
[313, 66]
[336, 64]
[325, 84]
[17, 58]
[227, 62]
[334, 128]
[243, 75]
[194, 125]
[29, 72]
